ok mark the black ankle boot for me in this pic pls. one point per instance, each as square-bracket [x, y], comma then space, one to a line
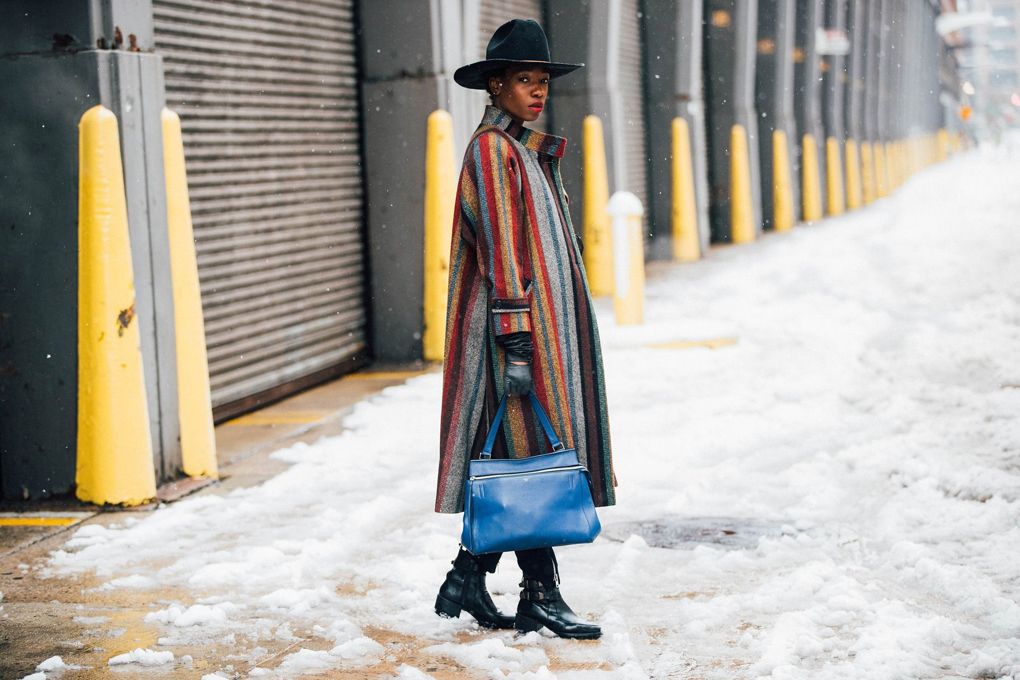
[464, 589]
[542, 605]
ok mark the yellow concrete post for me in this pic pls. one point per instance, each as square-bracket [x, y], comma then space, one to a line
[686, 238]
[881, 176]
[626, 210]
[598, 248]
[811, 190]
[114, 463]
[194, 404]
[834, 178]
[742, 226]
[868, 192]
[853, 176]
[943, 145]
[782, 183]
[440, 195]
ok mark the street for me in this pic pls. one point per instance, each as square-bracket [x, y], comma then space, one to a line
[818, 453]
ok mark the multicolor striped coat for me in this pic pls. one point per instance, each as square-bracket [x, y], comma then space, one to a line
[515, 265]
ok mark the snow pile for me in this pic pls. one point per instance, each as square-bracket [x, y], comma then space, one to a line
[54, 663]
[143, 657]
[494, 654]
[858, 431]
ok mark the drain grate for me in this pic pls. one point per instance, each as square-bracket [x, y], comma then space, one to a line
[735, 533]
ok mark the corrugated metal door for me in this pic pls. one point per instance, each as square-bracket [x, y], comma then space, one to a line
[267, 93]
[631, 76]
[493, 14]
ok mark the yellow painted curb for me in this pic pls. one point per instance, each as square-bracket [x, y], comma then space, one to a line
[868, 192]
[742, 227]
[598, 241]
[811, 190]
[440, 195]
[114, 463]
[198, 443]
[834, 177]
[881, 176]
[782, 183]
[853, 176]
[686, 239]
[943, 145]
[712, 343]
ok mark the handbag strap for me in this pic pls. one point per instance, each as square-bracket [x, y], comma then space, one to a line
[543, 419]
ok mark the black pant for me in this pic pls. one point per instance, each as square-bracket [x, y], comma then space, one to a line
[539, 564]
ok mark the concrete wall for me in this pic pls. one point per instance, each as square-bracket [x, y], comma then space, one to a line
[774, 96]
[409, 50]
[729, 67]
[672, 33]
[60, 58]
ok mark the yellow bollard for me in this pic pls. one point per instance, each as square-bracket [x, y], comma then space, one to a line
[943, 145]
[114, 462]
[868, 192]
[811, 189]
[742, 226]
[194, 404]
[834, 178]
[782, 183]
[686, 237]
[881, 177]
[598, 248]
[628, 259]
[853, 176]
[440, 197]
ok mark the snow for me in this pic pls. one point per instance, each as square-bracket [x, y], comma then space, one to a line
[143, 657]
[54, 663]
[194, 615]
[859, 436]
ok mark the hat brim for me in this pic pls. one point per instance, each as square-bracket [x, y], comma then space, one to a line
[476, 76]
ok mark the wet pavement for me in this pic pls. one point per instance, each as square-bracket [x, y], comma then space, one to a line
[85, 623]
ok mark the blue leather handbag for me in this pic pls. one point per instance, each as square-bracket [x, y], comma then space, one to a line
[523, 503]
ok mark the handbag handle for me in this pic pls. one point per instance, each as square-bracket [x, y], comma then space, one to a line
[490, 441]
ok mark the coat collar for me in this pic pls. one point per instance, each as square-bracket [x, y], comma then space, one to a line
[539, 142]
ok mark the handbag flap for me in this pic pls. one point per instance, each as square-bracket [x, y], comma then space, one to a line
[545, 461]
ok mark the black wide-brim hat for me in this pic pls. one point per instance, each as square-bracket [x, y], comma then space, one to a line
[517, 42]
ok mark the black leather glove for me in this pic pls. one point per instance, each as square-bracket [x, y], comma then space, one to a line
[518, 350]
[518, 375]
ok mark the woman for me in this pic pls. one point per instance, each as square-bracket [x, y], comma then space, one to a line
[520, 318]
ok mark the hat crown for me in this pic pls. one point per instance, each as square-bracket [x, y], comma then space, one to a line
[519, 40]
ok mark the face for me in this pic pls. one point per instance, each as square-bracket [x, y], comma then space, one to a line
[521, 92]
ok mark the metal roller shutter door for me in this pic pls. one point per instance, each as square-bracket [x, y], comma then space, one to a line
[493, 14]
[632, 92]
[267, 92]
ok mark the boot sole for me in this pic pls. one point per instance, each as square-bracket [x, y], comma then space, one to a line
[525, 624]
[448, 609]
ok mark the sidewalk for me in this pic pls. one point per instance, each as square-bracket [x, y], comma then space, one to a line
[42, 616]
[816, 440]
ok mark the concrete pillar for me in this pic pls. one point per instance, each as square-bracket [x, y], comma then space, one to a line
[807, 88]
[834, 80]
[673, 84]
[774, 96]
[730, 37]
[853, 105]
[409, 50]
[60, 58]
[883, 32]
[872, 67]
[588, 33]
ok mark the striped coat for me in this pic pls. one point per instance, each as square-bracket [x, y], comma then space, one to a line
[515, 265]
